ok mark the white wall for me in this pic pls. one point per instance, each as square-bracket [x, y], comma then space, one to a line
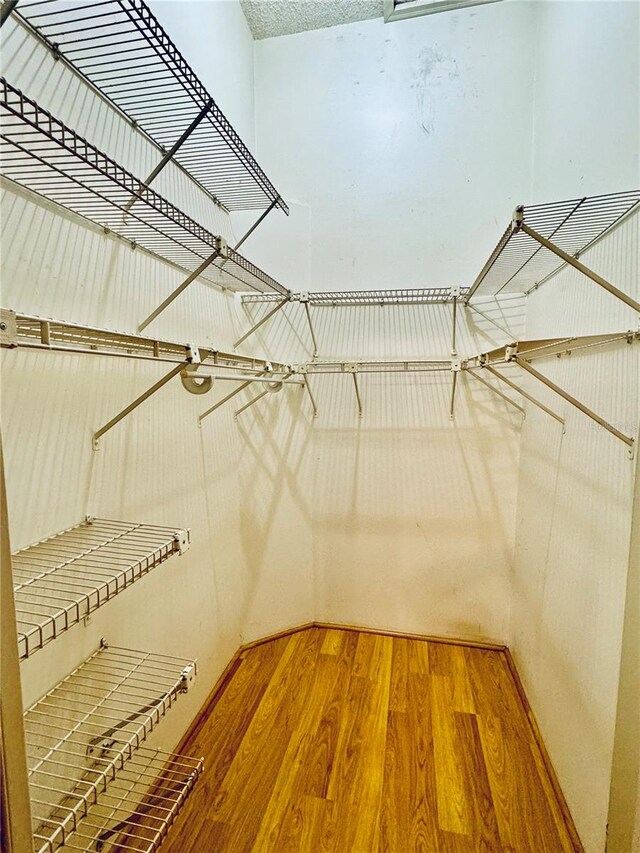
[409, 142]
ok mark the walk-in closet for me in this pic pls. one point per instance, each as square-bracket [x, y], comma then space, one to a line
[320, 351]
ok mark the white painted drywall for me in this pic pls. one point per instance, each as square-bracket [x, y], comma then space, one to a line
[409, 142]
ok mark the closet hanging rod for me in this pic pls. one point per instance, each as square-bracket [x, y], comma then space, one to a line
[213, 153]
[541, 239]
[44, 155]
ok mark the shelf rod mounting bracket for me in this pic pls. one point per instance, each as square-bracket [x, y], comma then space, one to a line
[304, 299]
[137, 402]
[524, 394]
[353, 370]
[310, 393]
[576, 403]
[470, 372]
[569, 259]
[264, 319]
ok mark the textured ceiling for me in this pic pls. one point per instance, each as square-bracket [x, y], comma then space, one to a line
[268, 18]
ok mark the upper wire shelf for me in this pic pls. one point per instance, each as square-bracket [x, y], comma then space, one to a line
[519, 263]
[122, 50]
[41, 153]
[82, 735]
[61, 580]
[137, 810]
[400, 296]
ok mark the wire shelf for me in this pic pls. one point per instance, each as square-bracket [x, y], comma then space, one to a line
[121, 48]
[135, 813]
[82, 734]
[61, 580]
[54, 335]
[415, 366]
[42, 154]
[401, 296]
[519, 263]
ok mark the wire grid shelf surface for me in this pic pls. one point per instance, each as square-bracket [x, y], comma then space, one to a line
[64, 578]
[400, 296]
[69, 337]
[41, 153]
[518, 263]
[136, 811]
[83, 733]
[121, 48]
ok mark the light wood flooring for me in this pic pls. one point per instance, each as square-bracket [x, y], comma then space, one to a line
[338, 740]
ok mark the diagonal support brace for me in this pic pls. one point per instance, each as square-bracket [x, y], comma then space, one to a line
[266, 317]
[304, 299]
[138, 401]
[578, 405]
[230, 396]
[276, 386]
[524, 394]
[353, 370]
[311, 397]
[172, 151]
[505, 397]
[569, 259]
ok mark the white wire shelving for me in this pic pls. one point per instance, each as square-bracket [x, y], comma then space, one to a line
[136, 811]
[542, 238]
[61, 580]
[82, 737]
[46, 156]
[346, 298]
[120, 48]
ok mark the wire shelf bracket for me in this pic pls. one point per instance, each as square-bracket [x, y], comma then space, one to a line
[122, 50]
[476, 375]
[61, 580]
[44, 155]
[82, 736]
[272, 388]
[566, 229]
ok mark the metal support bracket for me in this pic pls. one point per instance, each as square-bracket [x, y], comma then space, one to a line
[524, 394]
[138, 401]
[470, 372]
[353, 370]
[193, 383]
[303, 298]
[578, 405]
[520, 225]
[455, 295]
[310, 393]
[8, 328]
[456, 366]
[260, 322]
[172, 151]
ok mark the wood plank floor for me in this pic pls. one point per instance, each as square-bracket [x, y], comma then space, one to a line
[334, 740]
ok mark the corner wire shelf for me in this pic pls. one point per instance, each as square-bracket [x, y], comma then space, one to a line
[122, 50]
[114, 821]
[400, 296]
[41, 153]
[53, 335]
[63, 579]
[84, 733]
[519, 264]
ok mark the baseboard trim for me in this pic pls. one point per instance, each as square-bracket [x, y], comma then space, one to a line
[546, 758]
[431, 638]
